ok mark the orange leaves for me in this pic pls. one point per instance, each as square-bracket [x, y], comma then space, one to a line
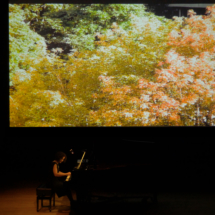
[134, 100]
[163, 106]
[160, 64]
[154, 86]
[184, 78]
[189, 99]
[210, 11]
[197, 34]
[106, 90]
[143, 83]
[158, 95]
[95, 95]
[126, 89]
[114, 103]
[117, 97]
[174, 117]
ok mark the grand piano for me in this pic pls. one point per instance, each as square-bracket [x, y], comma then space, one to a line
[118, 174]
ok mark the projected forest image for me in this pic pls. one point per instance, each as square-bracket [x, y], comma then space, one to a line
[78, 65]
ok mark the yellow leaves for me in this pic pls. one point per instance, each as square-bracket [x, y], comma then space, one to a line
[76, 54]
[117, 97]
[126, 89]
[95, 95]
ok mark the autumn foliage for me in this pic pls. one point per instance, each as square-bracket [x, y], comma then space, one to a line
[158, 72]
[183, 91]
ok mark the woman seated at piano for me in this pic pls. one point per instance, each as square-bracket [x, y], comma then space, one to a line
[61, 187]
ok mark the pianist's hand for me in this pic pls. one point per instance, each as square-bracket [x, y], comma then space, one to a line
[68, 173]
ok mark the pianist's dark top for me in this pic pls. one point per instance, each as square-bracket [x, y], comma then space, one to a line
[56, 182]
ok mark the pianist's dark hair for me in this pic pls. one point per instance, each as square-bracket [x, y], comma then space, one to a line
[60, 155]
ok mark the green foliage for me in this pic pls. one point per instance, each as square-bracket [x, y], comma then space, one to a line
[24, 43]
[73, 22]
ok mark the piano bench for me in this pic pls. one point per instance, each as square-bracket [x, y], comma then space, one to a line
[44, 192]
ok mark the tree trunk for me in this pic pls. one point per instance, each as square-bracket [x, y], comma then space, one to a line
[210, 117]
[197, 114]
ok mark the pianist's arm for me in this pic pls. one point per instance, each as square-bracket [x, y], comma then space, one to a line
[59, 174]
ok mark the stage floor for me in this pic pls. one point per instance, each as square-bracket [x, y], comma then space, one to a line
[20, 198]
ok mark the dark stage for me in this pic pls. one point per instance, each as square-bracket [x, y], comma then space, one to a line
[179, 170]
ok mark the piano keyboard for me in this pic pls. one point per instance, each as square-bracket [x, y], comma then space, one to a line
[68, 178]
